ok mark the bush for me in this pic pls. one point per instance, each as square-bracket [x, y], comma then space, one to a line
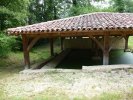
[6, 43]
[17, 46]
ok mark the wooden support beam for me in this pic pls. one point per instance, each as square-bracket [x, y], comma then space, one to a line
[96, 47]
[62, 43]
[126, 43]
[26, 52]
[32, 43]
[92, 44]
[106, 50]
[51, 46]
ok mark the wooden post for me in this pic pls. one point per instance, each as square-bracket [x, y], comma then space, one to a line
[51, 47]
[62, 43]
[26, 52]
[96, 47]
[106, 50]
[126, 43]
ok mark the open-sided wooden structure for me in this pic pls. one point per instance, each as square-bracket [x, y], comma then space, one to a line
[94, 26]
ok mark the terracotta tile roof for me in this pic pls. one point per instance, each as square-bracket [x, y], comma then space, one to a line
[87, 22]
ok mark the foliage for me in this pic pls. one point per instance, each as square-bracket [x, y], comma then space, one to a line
[17, 46]
[5, 44]
[119, 5]
[123, 5]
[43, 10]
[128, 5]
[108, 96]
[83, 7]
[13, 13]
[130, 42]
[20, 12]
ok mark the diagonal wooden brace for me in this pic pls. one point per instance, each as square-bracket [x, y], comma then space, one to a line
[32, 43]
[97, 42]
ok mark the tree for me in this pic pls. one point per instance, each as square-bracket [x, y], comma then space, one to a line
[119, 5]
[123, 5]
[128, 5]
[83, 6]
[13, 13]
[43, 10]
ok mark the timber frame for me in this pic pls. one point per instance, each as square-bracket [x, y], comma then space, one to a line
[96, 26]
[30, 40]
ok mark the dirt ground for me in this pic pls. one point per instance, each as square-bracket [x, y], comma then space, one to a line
[71, 83]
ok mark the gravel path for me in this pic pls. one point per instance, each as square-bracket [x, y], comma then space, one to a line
[73, 84]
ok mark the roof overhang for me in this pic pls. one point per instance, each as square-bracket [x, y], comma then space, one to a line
[83, 25]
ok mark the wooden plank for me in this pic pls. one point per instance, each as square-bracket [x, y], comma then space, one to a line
[32, 43]
[57, 60]
[43, 63]
[106, 50]
[26, 52]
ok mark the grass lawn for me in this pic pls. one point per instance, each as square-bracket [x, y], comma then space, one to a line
[130, 43]
[12, 65]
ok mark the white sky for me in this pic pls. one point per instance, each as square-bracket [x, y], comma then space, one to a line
[103, 4]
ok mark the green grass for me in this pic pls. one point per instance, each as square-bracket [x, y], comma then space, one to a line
[108, 96]
[56, 94]
[130, 42]
[14, 63]
[115, 96]
[48, 94]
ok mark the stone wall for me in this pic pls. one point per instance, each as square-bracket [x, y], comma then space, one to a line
[86, 43]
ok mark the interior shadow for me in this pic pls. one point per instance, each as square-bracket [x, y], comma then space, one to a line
[80, 57]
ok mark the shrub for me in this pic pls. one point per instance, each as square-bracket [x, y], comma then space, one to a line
[5, 44]
[17, 46]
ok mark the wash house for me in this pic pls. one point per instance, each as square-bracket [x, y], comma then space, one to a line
[101, 29]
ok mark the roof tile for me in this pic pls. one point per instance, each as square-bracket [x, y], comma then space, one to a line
[93, 21]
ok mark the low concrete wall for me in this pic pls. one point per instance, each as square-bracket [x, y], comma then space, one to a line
[86, 43]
